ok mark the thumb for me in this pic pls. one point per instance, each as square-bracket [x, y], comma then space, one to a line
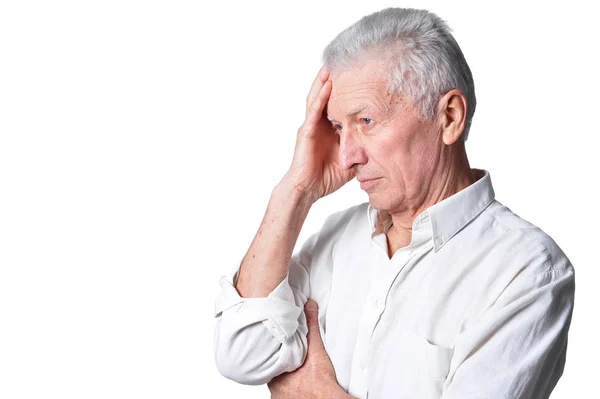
[311, 310]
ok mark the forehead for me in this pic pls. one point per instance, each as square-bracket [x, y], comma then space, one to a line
[367, 71]
[359, 86]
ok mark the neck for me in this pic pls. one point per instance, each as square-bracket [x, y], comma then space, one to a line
[454, 175]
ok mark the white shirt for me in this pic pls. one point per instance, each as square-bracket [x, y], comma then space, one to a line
[477, 306]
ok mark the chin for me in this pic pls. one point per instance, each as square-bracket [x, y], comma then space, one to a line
[375, 199]
[381, 201]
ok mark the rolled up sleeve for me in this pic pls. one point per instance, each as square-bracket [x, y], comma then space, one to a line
[517, 349]
[257, 339]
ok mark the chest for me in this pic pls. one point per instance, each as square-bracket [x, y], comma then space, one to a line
[387, 319]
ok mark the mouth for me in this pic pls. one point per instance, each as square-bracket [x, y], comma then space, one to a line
[367, 184]
[363, 179]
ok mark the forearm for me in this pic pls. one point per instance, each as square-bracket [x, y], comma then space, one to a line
[267, 261]
[339, 393]
[332, 390]
[343, 395]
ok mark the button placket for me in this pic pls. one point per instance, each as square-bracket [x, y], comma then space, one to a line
[375, 303]
[368, 320]
[358, 379]
[382, 279]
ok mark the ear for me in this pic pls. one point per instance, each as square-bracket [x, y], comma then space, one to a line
[453, 115]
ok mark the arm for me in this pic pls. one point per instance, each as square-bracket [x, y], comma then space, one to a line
[316, 378]
[517, 350]
[261, 331]
[266, 263]
[262, 296]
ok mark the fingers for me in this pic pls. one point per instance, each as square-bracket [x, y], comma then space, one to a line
[311, 310]
[321, 78]
[315, 109]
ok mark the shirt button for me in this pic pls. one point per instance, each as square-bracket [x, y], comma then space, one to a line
[363, 365]
[375, 303]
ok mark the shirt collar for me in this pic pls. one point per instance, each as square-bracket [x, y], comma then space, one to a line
[447, 217]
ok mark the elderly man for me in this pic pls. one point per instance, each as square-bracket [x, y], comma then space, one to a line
[431, 289]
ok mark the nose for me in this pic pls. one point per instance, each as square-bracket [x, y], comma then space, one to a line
[351, 151]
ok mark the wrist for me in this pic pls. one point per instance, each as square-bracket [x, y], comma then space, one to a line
[292, 192]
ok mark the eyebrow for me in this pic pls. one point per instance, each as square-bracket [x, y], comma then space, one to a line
[353, 111]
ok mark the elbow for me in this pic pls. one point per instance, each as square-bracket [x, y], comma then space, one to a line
[257, 361]
[236, 370]
[233, 372]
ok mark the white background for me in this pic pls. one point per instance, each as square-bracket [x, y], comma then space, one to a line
[140, 142]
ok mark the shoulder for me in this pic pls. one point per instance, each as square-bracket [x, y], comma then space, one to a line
[505, 257]
[334, 228]
[340, 220]
[524, 240]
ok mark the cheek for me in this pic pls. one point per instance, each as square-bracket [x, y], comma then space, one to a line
[394, 154]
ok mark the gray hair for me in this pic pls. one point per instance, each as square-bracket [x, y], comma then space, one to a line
[425, 60]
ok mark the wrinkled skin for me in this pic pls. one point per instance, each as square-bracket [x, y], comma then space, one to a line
[316, 377]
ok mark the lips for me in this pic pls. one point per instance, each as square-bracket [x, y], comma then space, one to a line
[363, 179]
[367, 184]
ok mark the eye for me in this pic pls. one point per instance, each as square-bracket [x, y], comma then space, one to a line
[337, 126]
[367, 121]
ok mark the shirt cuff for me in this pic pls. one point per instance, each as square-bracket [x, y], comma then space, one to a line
[279, 311]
